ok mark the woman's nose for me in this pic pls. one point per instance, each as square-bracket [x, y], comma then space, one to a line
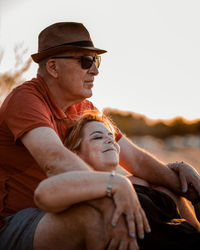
[110, 140]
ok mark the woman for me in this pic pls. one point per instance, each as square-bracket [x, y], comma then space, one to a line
[77, 142]
[92, 138]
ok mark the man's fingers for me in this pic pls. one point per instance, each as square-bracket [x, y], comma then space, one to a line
[183, 181]
[123, 245]
[113, 245]
[133, 245]
[173, 166]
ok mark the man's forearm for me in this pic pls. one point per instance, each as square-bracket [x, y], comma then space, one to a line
[156, 172]
[49, 152]
[142, 164]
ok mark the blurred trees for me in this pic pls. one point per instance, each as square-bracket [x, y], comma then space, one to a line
[138, 125]
[12, 78]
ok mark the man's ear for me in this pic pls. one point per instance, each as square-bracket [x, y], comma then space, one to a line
[51, 68]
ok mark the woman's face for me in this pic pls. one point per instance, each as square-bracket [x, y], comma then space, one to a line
[98, 147]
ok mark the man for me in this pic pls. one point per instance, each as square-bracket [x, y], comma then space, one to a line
[33, 122]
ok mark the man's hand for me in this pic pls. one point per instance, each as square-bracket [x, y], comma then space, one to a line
[190, 182]
[189, 178]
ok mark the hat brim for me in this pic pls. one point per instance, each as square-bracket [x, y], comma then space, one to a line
[53, 51]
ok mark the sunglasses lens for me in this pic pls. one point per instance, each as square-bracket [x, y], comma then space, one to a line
[97, 61]
[87, 61]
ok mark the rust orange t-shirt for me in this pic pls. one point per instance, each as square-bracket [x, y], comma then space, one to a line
[28, 106]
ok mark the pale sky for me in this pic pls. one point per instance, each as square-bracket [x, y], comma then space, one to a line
[153, 62]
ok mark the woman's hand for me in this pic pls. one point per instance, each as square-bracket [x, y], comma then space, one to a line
[127, 203]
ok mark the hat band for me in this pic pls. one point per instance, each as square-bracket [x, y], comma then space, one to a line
[78, 44]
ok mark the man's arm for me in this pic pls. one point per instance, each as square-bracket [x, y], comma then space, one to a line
[47, 149]
[144, 165]
[147, 167]
[187, 174]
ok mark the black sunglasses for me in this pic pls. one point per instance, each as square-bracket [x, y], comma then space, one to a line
[86, 60]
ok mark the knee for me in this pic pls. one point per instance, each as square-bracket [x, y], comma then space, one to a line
[85, 215]
[90, 225]
[80, 227]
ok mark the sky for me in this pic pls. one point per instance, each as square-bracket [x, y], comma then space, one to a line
[153, 62]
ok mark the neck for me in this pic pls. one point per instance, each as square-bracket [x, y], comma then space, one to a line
[63, 100]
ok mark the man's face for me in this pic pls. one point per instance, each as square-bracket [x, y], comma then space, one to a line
[74, 82]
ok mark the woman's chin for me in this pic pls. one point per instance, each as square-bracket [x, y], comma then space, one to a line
[106, 167]
[109, 166]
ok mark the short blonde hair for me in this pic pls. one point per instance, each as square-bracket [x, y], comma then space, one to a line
[74, 133]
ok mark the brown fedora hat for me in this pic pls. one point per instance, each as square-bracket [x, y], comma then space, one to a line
[60, 37]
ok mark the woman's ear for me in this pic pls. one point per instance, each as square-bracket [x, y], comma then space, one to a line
[51, 68]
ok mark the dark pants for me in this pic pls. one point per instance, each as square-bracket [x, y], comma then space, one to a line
[19, 229]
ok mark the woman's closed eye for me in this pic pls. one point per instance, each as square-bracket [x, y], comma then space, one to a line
[97, 138]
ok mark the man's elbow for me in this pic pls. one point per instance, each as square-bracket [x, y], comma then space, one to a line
[52, 168]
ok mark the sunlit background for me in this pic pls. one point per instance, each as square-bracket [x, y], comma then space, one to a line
[153, 62]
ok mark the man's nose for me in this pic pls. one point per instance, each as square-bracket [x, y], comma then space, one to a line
[93, 69]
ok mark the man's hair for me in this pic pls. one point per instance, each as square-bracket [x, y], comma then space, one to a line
[74, 133]
[42, 67]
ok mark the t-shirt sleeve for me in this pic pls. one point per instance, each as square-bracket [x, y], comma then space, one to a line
[118, 135]
[26, 111]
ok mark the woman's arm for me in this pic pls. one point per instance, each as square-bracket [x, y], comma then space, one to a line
[55, 194]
